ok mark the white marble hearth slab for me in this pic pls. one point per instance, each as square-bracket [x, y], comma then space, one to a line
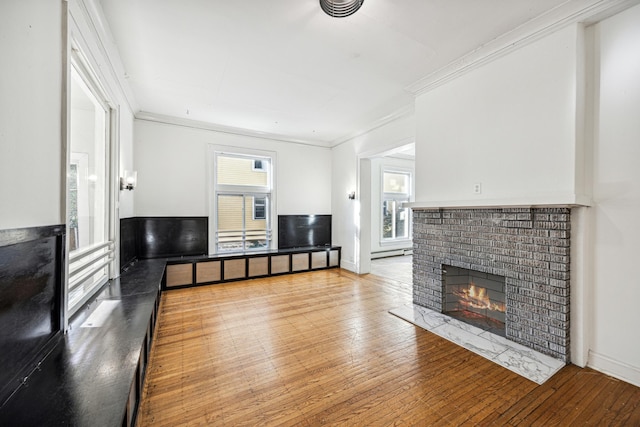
[522, 360]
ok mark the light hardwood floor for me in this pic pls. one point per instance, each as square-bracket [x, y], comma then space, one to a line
[398, 268]
[320, 348]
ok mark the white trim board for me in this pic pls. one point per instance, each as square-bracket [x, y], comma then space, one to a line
[614, 368]
[568, 13]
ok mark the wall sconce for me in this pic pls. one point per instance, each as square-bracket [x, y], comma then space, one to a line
[128, 181]
[352, 195]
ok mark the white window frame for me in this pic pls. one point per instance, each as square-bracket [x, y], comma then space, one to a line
[263, 205]
[214, 189]
[398, 198]
[82, 263]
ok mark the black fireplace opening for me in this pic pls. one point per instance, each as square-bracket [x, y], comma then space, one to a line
[475, 298]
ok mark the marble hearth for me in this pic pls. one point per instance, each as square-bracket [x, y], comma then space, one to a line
[520, 359]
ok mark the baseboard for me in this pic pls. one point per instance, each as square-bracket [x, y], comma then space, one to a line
[391, 252]
[614, 368]
[348, 265]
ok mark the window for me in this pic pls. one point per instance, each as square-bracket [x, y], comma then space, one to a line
[259, 208]
[89, 187]
[396, 189]
[242, 201]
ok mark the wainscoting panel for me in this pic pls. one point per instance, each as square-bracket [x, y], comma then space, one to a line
[172, 236]
[31, 280]
[128, 241]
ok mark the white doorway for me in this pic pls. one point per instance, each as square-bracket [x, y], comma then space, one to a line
[374, 242]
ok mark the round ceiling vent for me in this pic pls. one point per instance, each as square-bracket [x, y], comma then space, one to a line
[340, 8]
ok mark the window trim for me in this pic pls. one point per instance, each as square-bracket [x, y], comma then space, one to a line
[398, 198]
[213, 189]
[104, 254]
[263, 205]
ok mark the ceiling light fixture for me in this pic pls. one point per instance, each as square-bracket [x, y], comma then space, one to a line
[340, 8]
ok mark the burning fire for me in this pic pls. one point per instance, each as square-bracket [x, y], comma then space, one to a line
[477, 297]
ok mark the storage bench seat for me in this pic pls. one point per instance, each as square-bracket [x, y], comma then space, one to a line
[94, 374]
[211, 269]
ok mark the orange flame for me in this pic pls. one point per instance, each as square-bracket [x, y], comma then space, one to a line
[477, 297]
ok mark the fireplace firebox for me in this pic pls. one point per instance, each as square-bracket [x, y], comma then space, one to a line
[475, 298]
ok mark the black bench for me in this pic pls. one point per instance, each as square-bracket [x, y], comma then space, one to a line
[93, 376]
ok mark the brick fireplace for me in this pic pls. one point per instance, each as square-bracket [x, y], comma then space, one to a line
[529, 247]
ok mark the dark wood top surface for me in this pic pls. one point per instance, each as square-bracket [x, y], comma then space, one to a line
[85, 380]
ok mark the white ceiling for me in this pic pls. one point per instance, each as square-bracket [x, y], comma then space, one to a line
[284, 68]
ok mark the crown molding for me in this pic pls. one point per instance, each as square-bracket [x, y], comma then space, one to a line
[571, 12]
[196, 124]
[400, 113]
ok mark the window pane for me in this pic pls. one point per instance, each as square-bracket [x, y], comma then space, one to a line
[233, 170]
[395, 182]
[256, 229]
[88, 189]
[238, 229]
[259, 208]
[230, 222]
[388, 207]
[402, 222]
[73, 207]
[395, 220]
[87, 180]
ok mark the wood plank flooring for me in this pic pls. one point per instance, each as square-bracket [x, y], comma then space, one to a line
[320, 348]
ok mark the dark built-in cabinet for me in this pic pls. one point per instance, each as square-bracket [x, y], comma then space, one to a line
[213, 269]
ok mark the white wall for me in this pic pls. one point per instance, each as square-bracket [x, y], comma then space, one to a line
[615, 231]
[345, 212]
[509, 125]
[378, 165]
[31, 155]
[345, 178]
[172, 167]
[514, 125]
[127, 198]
